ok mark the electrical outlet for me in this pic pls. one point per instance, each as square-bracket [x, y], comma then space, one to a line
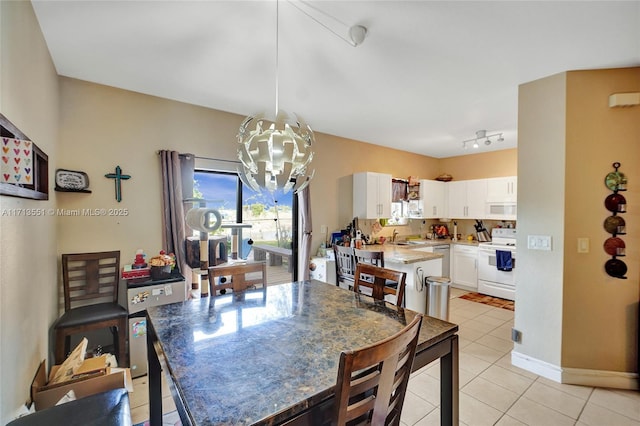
[516, 335]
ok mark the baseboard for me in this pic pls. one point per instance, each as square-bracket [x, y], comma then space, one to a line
[536, 366]
[601, 378]
[577, 376]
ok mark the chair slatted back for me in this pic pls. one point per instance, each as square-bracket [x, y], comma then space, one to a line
[90, 278]
[369, 256]
[243, 275]
[378, 279]
[345, 263]
[372, 381]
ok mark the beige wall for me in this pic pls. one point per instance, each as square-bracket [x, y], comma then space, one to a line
[28, 283]
[102, 127]
[572, 314]
[481, 165]
[600, 313]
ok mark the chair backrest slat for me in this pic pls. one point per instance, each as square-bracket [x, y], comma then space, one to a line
[345, 263]
[243, 275]
[90, 277]
[378, 279]
[374, 257]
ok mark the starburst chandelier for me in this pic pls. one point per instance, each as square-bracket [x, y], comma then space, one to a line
[275, 154]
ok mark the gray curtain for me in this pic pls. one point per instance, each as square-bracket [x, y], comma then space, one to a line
[304, 245]
[177, 184]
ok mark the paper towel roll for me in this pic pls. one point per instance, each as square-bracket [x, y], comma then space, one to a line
[199, 219]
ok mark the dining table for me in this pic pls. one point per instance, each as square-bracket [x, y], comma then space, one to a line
[270, 356]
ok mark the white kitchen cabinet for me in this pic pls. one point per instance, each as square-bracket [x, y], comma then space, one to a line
[503, 189]
[433, 199]
[502, 198]
[467, 199]
[464, 271]
[371, 195]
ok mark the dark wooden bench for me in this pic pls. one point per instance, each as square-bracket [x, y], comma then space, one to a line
[275, 255]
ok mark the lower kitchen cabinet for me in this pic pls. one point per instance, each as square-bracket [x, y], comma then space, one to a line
[464, 267]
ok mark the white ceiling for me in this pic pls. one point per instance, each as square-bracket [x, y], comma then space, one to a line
[428, 75]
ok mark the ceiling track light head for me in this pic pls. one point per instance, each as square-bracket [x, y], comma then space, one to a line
[482, 134]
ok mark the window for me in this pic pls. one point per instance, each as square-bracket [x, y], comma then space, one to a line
[272, 218]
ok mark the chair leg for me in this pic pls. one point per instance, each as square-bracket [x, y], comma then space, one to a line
[122, 343]
[59, 349]
[63, 341]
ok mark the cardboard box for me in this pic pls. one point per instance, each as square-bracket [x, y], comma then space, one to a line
[45, 396]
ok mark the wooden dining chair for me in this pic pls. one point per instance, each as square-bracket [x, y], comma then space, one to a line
[378, 279]
[90, 283]
[374, 257]
[345, 265]
[238, 277]
[372, 381]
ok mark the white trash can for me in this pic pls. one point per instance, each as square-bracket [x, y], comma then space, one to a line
[438, 289]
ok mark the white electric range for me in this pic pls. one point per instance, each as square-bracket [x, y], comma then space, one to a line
[497, 278]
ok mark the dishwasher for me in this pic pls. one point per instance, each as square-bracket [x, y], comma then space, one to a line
[444, 251]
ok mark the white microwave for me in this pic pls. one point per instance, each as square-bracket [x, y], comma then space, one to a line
[502, 210]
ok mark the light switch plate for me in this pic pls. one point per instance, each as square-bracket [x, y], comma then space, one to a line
[539, 242]
[583, 245]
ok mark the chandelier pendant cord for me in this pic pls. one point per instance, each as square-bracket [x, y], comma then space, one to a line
[277, 55]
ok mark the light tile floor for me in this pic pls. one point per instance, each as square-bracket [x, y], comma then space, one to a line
[492, 391]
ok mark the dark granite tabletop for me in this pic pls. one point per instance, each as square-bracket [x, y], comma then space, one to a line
[267, 355]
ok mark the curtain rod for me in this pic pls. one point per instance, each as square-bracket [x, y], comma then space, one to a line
[207, 158]
[217, 159]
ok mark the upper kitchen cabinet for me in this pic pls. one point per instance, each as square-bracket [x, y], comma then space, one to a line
[433, 199]
[502, 190]
[467, 199]
[371, 195]
[502, 198]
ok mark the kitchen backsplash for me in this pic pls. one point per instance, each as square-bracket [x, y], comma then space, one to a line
[422, 227]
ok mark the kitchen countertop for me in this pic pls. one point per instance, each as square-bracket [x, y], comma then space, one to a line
[407, 253]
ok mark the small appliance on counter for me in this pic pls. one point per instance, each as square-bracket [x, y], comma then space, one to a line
[440, 232]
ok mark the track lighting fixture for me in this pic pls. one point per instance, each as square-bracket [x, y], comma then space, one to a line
[482, 134]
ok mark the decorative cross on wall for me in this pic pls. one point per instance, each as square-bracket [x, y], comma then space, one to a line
[118, 176]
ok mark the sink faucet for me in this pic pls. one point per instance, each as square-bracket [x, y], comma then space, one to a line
[395, 234]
